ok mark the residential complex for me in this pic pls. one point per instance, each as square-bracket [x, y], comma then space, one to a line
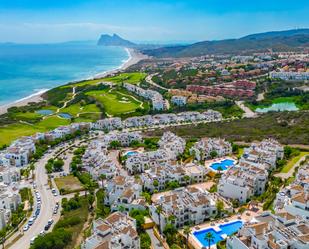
[272, 231]
[204, 148]
[117, 231]
[190, 205]
[249, 177]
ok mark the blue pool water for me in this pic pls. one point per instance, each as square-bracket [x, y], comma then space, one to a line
[225, 164]
[45, 112]
[131, 153]
[228, 229]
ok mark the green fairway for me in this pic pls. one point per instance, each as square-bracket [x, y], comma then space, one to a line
[132, 78]
[11, 132]
[77, 108]
[27, 116]
[116, 102]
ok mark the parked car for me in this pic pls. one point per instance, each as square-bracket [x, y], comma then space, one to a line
[25, 228]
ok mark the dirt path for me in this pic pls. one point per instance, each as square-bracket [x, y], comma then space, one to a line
[248, 112]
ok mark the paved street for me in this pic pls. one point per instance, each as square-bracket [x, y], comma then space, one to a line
[48, 202]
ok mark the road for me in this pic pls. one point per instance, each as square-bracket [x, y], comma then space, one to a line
[151, 82]
[248, 112]
[48, 202]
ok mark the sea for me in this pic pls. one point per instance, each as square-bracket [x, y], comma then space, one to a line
[30, 69]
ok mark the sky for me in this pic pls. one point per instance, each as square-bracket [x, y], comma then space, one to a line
[49, 21]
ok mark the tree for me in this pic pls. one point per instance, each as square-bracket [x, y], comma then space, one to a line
[114, 144]
[220, 207]
[2, 236]
[102, 178]
[219, 170]
[210, 238]
[90, 199]
[213, 154]
[287, 152]
[186, 178]
[57, 165]
[121, 208]
[159, 211]
[187, 231]
[32, 167]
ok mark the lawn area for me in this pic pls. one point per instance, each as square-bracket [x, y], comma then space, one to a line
[27, 116]
[83, 83]
[11, 132]
[77, 108]
[51, 122]
[132, 78]
[115, 102]
[292, 162]
[68, 184]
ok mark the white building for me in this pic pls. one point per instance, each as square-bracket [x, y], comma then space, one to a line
[272, 231]
[290, 75]
[250, 176]
[117, 231]
[203, 148]
[124, 191]
[190, 205]
[179, 100]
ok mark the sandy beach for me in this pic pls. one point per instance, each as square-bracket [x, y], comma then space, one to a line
[134, 57]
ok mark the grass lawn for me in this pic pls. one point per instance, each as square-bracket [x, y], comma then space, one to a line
[132, 78]
[292, 162]
[77, 108]
[69, 183]
[83, 83]
[27, 116]
[115, 102]
[87, 117]
[11, 132]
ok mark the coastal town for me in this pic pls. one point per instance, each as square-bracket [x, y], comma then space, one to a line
[189, 146]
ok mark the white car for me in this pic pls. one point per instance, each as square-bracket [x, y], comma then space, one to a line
[25, 228]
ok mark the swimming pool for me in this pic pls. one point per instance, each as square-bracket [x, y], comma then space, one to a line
[225, 164]
[224, 230]
[131, 153]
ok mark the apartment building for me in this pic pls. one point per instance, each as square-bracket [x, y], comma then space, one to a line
[190, 205]
[250, 176]
[272, 231]
[298, 76]
[203, 148]
[124, 191]
[117, 231]
[179, 100]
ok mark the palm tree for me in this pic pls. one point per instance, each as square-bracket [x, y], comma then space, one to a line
[32, 167]
[159, 211]
[210, 238]
[187, 231]
[102, 178]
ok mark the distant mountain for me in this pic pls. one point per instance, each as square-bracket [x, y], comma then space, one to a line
[289, 40]
[114, 40]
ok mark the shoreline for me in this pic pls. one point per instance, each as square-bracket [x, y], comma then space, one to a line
[134, 57]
